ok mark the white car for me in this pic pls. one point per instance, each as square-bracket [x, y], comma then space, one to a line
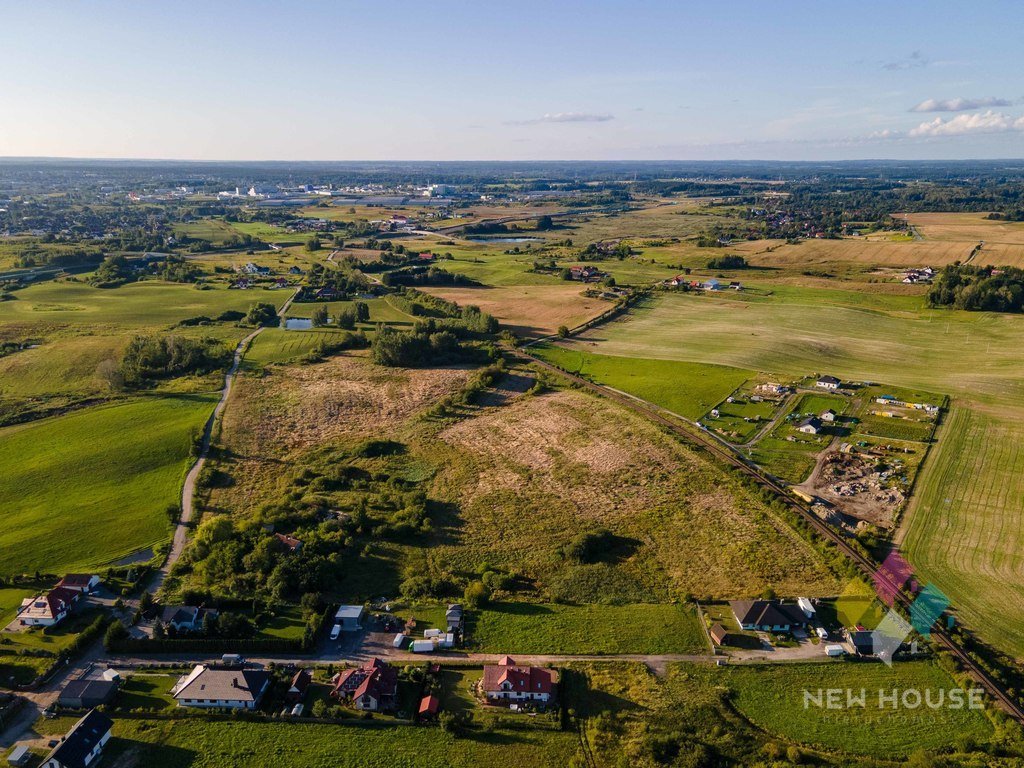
[336, 632]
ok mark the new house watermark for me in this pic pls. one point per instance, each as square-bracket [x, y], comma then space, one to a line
[893, 699]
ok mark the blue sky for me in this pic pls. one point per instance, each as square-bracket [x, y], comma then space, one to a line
[526, 80]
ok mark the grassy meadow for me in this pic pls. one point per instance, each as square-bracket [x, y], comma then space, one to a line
[552, 628]
[207, 744]
[688, 389]
[85, 489]
[772, 697]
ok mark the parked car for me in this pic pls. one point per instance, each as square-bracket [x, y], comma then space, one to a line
[336, 632]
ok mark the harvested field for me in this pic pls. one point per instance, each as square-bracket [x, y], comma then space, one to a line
[1004, 240]
[529, 476]
[529, 310]
[810, 253]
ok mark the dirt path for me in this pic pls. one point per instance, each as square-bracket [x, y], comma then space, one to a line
[188, 490]
[781, 412]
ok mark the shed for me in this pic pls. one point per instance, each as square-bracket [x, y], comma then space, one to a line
[19, 756]
[429, 706]
[397, 642]
[86, 694]
[350, 617]
[718, 633]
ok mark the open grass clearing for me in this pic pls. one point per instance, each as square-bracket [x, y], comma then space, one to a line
[552, 628]
[688, 389]
[106, 473]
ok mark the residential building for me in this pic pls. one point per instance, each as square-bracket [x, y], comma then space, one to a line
[83, 744]
[828, 382]
[186, 618]
[768, 615]
[810, 426]
[453, 617]
[505, 681]
[293, 544]
[297, 688]
[372, 687]
[218, 687]
[49, 609]
[829, 416]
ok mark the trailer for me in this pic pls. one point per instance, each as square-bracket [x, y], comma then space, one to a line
[432, 633]
[835, 650]
[422, 646]
[399, 639]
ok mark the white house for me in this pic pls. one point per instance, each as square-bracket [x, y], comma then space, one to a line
[82, 745]
[228, 688]
[828, 382]
[49, 609]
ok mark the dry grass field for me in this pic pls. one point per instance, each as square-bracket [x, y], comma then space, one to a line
[529, 310]
[530, 474]
[821, 253]
[275, 417]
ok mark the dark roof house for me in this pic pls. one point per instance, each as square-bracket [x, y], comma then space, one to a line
[768, 615]
[82, 745]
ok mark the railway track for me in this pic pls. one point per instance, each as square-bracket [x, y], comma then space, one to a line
[865, 564]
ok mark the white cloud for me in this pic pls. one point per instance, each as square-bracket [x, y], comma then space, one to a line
[958, 105]
[566, 117]
[986, 122]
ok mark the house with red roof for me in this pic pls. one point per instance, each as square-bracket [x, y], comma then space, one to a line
[293, 544]
[506, 682]
[49, 609]
[372, 687]
[80, 582]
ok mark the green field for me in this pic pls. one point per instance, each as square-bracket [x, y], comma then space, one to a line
[589, 629]
[688, 389]
[772, 697]
[964, 529]
[203, 744]
[85, 489]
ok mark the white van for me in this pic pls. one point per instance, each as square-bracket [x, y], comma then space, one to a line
[336, 632]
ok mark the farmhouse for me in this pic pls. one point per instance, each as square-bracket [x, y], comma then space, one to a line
[49, 609]
[186, 618]
[810, 426]
[828, 382]
[767, 615]
[372, 687]
[586, 274]
[217, 687]
[80, 582]
[350, 617]
[86, 694]
[82, 745]
[506, 682]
